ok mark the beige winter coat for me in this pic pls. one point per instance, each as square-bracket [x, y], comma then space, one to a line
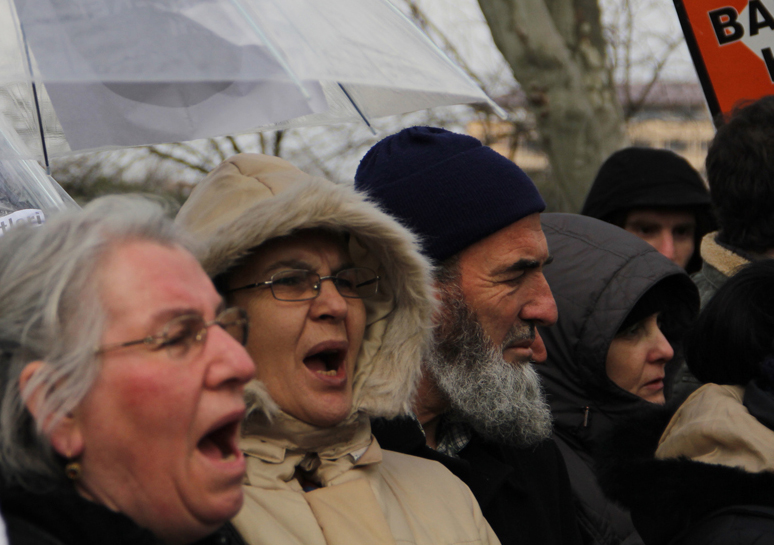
[367, 495]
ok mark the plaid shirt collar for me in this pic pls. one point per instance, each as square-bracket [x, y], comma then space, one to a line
[452, 437]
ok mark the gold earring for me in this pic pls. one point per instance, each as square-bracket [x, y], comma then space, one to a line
[73, 471]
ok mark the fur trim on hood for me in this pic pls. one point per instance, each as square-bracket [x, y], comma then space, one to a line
[249, 199]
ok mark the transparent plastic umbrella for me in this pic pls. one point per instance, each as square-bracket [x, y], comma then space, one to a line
[112, 73]
[27, 194]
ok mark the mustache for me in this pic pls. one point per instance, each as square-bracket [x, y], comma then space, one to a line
[519, 333]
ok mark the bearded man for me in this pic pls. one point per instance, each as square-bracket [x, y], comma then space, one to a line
[479, 409]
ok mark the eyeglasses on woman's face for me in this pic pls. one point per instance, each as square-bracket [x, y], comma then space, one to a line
[182, 333]
[302, 284]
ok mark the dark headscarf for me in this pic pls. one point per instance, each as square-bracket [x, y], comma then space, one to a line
[599, 275]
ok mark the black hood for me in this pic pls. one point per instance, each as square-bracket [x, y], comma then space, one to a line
[599, 273]
[650, 178]
[644, 178]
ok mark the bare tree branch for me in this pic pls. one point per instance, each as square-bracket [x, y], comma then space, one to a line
[633, 106]
[567, 81]
[278, 142]
[169, 157]
[235, 147]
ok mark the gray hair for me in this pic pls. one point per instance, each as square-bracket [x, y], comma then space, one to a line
[51, 312]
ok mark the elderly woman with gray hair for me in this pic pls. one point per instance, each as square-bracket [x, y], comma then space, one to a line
[121, 384]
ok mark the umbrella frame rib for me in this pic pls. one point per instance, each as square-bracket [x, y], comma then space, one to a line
[357, 108]
[499, 112]
[273, 50]
[37, 102]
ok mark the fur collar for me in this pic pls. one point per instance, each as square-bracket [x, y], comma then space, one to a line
[723, 259]
[252, 198]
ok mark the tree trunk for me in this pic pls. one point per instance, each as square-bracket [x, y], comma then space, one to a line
[556, 50]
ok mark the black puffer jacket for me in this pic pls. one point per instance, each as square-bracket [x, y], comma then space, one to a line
[679, 501]
[599, 273]
[63, 517]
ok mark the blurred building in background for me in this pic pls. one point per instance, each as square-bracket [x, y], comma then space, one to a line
[670, 115]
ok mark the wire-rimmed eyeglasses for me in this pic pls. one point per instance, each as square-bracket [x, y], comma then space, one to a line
[183, 332]
[302, 285]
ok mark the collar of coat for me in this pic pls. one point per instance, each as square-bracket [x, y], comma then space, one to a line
[722, 258]
[714, 426]
[61, 516]
[276, 448]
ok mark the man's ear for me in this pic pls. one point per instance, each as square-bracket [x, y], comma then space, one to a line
[65, 437]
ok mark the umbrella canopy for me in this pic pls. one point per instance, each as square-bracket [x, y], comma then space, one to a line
[136, 72]
[27, 193]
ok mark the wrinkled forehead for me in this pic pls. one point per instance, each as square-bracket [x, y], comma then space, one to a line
[139, 278]
[521, 241]
[306, 246]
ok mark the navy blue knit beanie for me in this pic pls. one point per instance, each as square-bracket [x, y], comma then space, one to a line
[447, 188]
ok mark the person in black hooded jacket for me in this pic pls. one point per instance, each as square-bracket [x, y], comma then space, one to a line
[703, 474]
[622, 310]
[656, 195]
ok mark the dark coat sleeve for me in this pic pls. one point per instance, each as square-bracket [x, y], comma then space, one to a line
[524, 492]
[600, 520]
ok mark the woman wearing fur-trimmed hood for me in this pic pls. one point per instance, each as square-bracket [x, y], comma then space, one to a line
[330, 354]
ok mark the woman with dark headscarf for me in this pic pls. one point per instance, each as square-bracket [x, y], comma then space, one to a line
[704, 474]
[622, 309]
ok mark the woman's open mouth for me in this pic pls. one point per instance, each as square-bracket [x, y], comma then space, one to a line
[327, 361]
[220, 443]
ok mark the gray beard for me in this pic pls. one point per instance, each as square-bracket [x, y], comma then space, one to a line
[503, 402]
